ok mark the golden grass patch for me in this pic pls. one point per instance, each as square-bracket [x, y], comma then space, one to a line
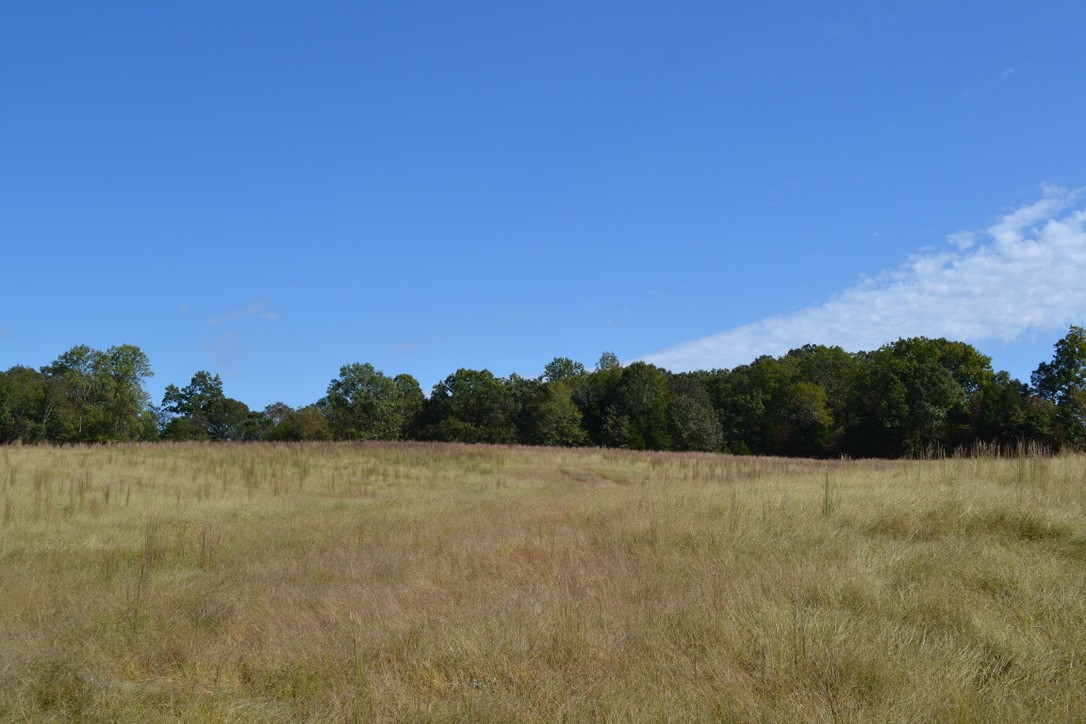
[388, 582]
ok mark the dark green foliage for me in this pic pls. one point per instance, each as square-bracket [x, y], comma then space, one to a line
[745, 397]
[544, 412]
[781, 406]
[120, 373]
[364, 404]
[1063, 382]
[94, 396]
[524, 393]
[594, 395]
[614, 429]
[833, 370]
[70, 395]
[694, 422]
[289, 425]
[563, 369]
[411, 400]
[470, 406]
[554, 418]
[22, 403]
[608, 361]
[201, 411]
[998, 412]
[806, 423]
[915, 396]
[642, 396]
[1066, 372]
[878, 409]
[1042, 423]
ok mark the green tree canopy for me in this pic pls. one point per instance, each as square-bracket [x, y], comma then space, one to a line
[642, 396]
[1063, 382]
[201, 411]
[290, 425]
[554, 419]
[998, 412]
[913, 396]
[694, 424]
[471, 406]
[121, 372]
[563, 369]
[95, 396]
[71, 394]
[22, 405]
[365, 404]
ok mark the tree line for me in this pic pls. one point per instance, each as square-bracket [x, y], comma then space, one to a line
[915, 396]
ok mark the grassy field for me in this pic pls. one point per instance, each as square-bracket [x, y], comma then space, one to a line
[390, 582]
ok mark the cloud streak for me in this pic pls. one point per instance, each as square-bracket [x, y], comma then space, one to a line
[256, 308]
[1028, 276]
[225, 351]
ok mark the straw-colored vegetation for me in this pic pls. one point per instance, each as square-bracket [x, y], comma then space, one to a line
[388, 582]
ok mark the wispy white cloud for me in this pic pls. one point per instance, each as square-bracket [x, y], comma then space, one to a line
[962, 240]
[225, 352]
[5, 332]
[228, 349]
[991, 84]
[256, 308]
[1010, 228]
[1027, 277]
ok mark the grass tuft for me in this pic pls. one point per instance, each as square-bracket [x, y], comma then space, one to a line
[387, 582]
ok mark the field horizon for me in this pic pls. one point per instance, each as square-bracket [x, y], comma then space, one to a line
[447, 582]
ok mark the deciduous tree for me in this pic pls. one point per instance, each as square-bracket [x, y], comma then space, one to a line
[693, 421]
[201, 411]
[1063, 382]
[22, 403]
[470, 406]
[364, 404]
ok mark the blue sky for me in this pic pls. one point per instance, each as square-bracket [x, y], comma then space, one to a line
[272, 190]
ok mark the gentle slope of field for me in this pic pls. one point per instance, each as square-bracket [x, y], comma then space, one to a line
[447, 583]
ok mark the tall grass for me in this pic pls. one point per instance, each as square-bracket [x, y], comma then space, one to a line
[387, 582]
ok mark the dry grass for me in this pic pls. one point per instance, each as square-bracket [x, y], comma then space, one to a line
[415, 582]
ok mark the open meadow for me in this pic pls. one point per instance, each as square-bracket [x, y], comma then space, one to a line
[427, 582]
